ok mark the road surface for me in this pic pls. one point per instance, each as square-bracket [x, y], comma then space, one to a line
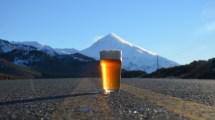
[82, 98]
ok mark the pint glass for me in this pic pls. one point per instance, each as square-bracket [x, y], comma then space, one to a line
[110, 63]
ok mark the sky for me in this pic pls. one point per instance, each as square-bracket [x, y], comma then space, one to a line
[180, 30]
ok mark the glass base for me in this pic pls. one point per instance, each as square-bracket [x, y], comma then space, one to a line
[111, 91]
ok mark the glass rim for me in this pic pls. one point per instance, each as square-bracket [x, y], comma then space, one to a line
[111, 54]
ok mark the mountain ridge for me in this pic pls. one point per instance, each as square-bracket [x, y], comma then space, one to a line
[51, 51]
[28, 58]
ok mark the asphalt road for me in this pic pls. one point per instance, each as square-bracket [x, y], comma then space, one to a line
[82, 98]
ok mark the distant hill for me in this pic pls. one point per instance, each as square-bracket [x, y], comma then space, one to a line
[133, 74]
[197, 69]
[10, 70]
[75, 65]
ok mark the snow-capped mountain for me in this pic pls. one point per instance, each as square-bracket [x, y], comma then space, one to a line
[133, 56]
[25, 53]
[65, 51]
[6, 46]
[49, 50]
[29, 58]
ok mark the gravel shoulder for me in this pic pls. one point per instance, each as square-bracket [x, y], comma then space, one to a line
[200, 91]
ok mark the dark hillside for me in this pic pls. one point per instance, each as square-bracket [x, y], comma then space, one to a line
[197, 69]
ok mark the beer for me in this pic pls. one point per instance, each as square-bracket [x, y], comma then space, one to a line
[110, 63]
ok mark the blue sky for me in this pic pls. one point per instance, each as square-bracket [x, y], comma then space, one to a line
[181, 30]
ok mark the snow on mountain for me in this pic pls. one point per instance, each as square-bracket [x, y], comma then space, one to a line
[24, 47]
[21, 62]
[47, 49]
[5, 46]
[65, 51]
[133, 56]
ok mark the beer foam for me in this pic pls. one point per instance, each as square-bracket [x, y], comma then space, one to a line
[111, 55]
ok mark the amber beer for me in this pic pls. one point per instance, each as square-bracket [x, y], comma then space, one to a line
[110, 63]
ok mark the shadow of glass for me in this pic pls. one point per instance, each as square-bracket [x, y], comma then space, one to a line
[4, 103]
